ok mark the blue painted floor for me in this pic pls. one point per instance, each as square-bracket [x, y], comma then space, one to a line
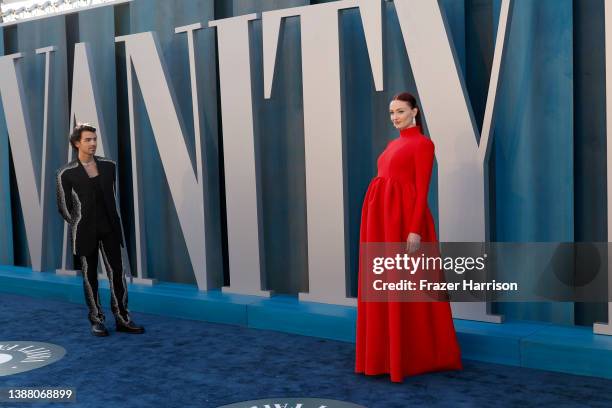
[185, 363]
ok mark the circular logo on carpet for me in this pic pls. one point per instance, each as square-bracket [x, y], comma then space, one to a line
[293, 403]
[19, 356]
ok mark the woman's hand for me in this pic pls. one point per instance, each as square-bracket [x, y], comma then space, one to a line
[413, 242]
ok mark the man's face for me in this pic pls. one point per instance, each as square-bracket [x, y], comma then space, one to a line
[88, 142]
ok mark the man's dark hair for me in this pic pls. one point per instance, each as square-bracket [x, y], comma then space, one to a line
[75, 136]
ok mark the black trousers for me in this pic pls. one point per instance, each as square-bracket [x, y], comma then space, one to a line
[110, 249]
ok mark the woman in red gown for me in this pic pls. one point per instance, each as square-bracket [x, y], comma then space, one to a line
[403, 338]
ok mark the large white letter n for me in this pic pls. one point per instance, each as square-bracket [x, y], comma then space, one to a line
[144, 57]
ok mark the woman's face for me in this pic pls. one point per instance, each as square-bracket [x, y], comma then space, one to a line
[401, 114]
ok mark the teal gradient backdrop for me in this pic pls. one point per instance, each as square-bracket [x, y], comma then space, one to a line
[548, 157]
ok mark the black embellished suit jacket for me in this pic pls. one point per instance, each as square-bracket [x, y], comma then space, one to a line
[75, 199]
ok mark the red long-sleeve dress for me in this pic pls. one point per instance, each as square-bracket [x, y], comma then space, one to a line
[402, 338]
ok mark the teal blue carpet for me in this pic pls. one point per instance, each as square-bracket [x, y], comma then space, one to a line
[184, 363]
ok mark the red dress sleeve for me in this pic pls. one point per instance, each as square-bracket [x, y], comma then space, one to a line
[423, 163]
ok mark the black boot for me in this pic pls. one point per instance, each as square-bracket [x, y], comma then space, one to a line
[98, 329]
[129, 327]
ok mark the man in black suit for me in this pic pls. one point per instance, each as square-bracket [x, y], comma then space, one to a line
[86, 199]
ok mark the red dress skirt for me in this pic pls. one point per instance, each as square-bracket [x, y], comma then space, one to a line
[402, 338]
